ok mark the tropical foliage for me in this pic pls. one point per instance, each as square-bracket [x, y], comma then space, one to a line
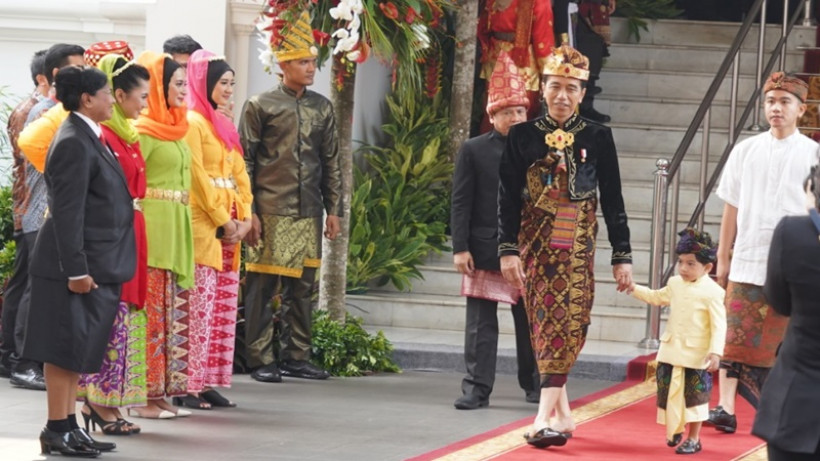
[346, 349]
[638, 11]
[400, 33]
[400, 204]
[7, 245]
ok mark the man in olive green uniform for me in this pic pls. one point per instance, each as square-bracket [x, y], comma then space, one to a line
[289, 138]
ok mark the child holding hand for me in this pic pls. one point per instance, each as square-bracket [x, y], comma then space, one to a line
[693, 342]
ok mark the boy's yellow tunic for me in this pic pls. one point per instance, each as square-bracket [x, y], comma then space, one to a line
[696, 328]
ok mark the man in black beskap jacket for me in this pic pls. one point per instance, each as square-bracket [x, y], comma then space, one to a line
[475, 242]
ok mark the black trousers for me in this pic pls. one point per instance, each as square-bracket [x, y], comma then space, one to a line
[591, 45]
[481, 347]
[296, 321]
[15, 306]
[777, 454]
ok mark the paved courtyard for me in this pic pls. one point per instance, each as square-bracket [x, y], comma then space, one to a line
[388, 417]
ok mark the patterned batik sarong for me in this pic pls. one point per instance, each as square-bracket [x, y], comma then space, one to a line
[166, 308]
[223, 324]
[754, 330]
[212, 333]
[683, 397]
[288, 245]
[558, 261]
[201, 297]
[121, 382]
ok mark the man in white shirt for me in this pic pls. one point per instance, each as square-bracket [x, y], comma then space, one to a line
[762, 183]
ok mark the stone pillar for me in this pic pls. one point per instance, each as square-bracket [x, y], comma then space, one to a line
[241, 34]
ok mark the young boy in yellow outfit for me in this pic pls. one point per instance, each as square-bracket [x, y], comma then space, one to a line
[693, 342]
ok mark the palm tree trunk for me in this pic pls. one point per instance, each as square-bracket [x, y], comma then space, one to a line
[334, 253]
[461, 107]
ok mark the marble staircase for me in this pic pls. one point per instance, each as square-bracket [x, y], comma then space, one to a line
[652, 90]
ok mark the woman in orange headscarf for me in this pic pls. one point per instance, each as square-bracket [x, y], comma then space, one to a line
[162, 128]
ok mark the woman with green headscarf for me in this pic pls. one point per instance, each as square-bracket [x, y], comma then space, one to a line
[121, 382]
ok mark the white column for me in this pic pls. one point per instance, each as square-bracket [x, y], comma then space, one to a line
[204, 20]
[242, 15]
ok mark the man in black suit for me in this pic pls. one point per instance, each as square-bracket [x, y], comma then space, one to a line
[788, 416]
[84, 251]
[474, 228]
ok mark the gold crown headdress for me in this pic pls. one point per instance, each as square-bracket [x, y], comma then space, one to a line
[566, 61]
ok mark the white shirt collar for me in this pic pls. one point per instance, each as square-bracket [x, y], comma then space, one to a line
[95, 127]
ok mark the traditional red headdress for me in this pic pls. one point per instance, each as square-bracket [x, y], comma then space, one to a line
[505, 88]
[96, 51]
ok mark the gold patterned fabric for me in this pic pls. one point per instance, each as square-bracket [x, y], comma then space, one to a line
[288, 246]
[560, 281]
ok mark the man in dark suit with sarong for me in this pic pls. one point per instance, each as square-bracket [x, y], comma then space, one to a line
[475, 242]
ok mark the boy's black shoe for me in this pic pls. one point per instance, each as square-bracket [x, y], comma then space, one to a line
[675, 440]
[688, 447]
[721, 420]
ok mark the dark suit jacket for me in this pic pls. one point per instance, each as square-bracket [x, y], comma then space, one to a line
[474, 210]
[90, 225]
[789, 412]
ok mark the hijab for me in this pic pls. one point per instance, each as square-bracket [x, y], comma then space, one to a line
[119, 123]
[159, 120]
[203, 67]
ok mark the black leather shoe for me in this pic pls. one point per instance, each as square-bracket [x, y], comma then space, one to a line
[722, 421]
[688, 447]
[85, 438]
[533, 396]
[302, 369]
[29, 378]
[470, 402]
[546, 437]
[595, 116]
[4, 371]
[267, 374]
[65, 444]
[675, 440]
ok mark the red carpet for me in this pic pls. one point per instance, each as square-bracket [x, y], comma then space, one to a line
[631, 433]
[617, 423]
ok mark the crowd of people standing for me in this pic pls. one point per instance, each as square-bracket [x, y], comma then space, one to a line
[133, 192]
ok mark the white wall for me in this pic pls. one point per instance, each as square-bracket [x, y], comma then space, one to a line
[204, 20]
[219, 25]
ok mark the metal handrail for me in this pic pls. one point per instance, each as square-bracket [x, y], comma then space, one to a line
[667, 178]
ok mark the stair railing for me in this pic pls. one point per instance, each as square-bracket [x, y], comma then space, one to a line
[667, 175]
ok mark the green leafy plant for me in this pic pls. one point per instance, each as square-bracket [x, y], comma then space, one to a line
[7, 262]
[638, 11]
[400, 203]
[6, 215]
[347, 349]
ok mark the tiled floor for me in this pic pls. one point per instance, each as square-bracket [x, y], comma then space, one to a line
[386, 417]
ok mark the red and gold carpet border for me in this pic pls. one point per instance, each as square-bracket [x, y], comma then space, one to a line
[509, 437]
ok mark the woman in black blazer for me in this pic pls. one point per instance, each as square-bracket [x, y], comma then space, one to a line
[788, 417]
[84, 252]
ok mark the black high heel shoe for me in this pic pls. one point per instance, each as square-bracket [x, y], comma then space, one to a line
[85, 438]
[191, 401]
[65, 444]
[117, 427]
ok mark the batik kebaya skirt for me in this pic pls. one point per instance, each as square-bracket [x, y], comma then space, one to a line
[213, 304]
[166, 309]
[121, 382]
